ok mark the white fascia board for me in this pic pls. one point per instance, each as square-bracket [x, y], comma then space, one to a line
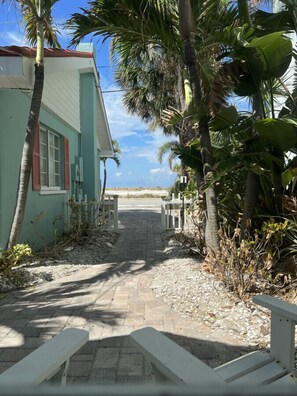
[106, 129]
[106, 154]
[56, 64]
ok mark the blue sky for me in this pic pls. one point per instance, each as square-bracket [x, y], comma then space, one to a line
[139, 163]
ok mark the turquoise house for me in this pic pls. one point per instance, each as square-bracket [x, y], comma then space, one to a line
[73, 133]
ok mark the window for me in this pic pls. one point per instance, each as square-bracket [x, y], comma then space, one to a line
[50, 161]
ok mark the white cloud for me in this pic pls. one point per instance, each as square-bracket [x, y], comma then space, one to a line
[118, 174]
[151, 146]
[164, 170]
[154, 171]
[14, 38]
[120, 122]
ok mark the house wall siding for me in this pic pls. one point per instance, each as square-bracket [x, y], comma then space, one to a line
[49, 211]
[11, 141]
[89, 112]
[61, 95]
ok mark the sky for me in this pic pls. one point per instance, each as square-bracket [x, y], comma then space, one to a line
[139, 163]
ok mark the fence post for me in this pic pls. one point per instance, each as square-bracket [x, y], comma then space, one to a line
[163, 217]
[115, 213]
[67, 213]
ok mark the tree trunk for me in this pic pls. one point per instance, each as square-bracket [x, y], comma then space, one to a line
[250, 200]
[104, 180]
[26, 160]
[212, 225]
[187, 29]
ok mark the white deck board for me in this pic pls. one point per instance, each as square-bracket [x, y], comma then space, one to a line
[243, 365]
[171, 360]
[42, 363]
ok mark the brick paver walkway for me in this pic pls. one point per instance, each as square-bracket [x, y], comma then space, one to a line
[110, 302]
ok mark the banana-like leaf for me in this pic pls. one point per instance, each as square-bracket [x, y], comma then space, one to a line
[275, 51]
[171, 116]
[271, 22]
[191, 156]
[223, 168]
[250, 79]
[288, 175]
[225, 118]
[258, 170]
[281, 133]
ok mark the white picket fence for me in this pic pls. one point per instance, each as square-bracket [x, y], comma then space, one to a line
[174, 213]
[92, 212]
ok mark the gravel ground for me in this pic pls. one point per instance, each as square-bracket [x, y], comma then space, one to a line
[183, 284]
[58, 263]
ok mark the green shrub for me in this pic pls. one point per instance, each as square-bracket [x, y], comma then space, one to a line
[9, 261]
[10, 258]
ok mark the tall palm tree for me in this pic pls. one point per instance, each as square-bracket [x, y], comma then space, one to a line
[187, 32]
[138, 26]
[115, 158]
[39, 28]
[150, 85]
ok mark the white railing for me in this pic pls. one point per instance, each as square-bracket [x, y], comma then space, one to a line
[174, 214]
[92, 212]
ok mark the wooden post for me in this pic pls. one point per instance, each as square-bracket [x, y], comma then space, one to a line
[115, 213]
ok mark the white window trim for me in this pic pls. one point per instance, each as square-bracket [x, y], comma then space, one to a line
[50, 191]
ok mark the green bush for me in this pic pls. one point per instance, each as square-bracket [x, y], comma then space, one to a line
[10, 258]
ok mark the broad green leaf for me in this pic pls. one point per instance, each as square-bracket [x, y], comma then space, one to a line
[223, 168]
[281, 133]
[191, 157]
[258, 169]
[272, 22]
[228, 116]
[265, 159]
[249, 82]
[275, 51]
[247, 86]
[288, 175]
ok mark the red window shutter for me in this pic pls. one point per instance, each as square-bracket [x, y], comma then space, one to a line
[36, 184]
[66, 165]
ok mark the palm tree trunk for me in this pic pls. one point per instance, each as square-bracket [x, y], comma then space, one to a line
[250, 200]
[212, 227]
[187, 29]
[26, 160]
[104, 180]
[27, 154]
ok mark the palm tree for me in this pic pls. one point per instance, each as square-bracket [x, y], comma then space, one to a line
[137, 27]
[39, 28]
[115, 158]
[150, 85]
[187, 29]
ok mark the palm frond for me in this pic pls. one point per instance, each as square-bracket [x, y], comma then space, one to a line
[30, 12]
[129, 21]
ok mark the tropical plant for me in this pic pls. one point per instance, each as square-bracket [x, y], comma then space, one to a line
[39, 29]
[138, 27]
[116, 158]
